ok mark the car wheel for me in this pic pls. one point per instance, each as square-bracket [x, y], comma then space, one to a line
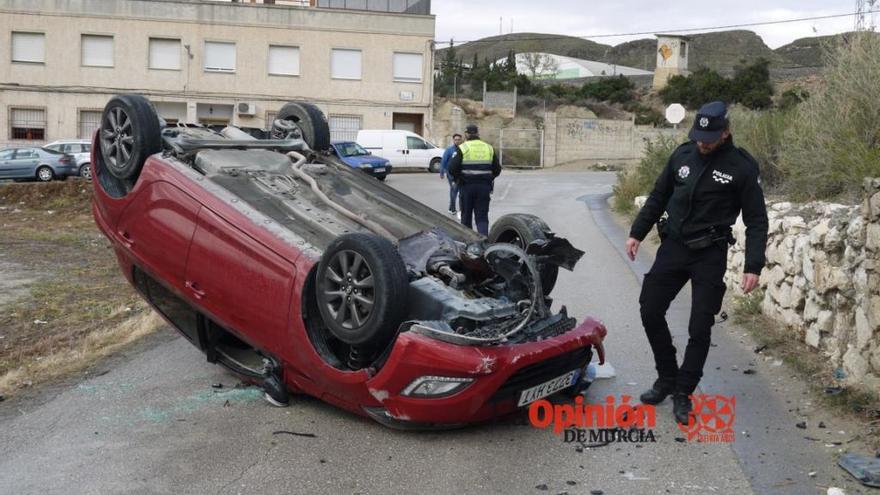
[434, 166]
[361, 290]
[45, 174]
[85, 171]
[311, 121]
[521, 229]
[382, 178]
[129, 134]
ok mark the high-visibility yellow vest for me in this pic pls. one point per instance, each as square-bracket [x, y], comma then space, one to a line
[476, 160]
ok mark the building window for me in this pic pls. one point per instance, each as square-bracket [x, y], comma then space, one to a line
[683, 51]
[219, 56]
[27, 123]
[89, 121]
[344, 127]
[345, 64]
[97, 51]
[164, 54]
[29, 47]
[408, 67]
[283, 60]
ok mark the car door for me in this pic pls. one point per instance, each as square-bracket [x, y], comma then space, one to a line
[394, 149]
[25, 162]
[241, 283]
[6, 157]
[419, 152]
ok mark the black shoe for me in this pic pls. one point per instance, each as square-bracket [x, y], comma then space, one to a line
[681, 407]
[656, 394]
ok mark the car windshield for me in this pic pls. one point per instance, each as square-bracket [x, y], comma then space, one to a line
[50, 150]
[351, 149]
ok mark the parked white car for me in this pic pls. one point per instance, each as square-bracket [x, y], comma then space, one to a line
[80, 149]
[404, 149]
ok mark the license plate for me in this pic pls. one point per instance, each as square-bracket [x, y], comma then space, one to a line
[377, 170]
[547, 388]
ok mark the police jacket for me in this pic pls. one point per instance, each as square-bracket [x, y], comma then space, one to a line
[699, 193]
[474, 161]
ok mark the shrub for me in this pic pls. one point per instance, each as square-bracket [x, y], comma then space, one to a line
[834, 139]
[761, 133]
[614, 89]
[640, 181]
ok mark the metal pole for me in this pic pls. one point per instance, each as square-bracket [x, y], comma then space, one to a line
[541, 151]
[501, 147]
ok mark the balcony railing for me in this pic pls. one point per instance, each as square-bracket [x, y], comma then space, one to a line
[418, 7]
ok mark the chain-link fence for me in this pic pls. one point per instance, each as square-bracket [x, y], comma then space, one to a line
[517, 148]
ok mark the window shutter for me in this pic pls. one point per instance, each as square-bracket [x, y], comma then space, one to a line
[97, 51]
[345, 64]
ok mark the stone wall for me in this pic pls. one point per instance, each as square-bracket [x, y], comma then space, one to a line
[822, 279]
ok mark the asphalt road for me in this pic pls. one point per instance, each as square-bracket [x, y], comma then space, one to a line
[150, 422]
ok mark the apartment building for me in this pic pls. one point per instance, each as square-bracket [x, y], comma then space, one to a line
[366, 64]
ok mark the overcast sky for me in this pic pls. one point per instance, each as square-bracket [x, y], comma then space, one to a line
[473, 19]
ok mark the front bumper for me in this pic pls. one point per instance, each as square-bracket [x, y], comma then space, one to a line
[500, 374]
[373, 171]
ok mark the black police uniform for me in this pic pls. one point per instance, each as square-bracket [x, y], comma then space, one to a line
[702, 196]
[475, 183]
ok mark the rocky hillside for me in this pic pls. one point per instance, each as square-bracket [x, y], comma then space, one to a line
[721, 50]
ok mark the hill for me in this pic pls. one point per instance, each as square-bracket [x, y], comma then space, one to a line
[722, 50]
[810, 51]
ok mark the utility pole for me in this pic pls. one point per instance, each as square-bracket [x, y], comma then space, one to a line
[500, 26]
[865, 15]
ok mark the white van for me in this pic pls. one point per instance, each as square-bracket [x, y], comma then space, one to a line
[404, 149]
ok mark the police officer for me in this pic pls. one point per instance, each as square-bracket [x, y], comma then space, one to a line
[703, 188]
[474, 167]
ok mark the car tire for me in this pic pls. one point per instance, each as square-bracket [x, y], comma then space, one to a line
[85, 171]
[361, 290]
[128, 135]
[311, 121]
[382, 178]
[522, 229]
[45, 174]
[434, 166]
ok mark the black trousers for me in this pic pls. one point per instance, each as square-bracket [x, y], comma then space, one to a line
[674, 266]
[474, 198]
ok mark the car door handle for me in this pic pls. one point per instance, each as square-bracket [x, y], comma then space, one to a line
[198, 293]
[127, 241]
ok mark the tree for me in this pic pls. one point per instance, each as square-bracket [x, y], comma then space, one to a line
[751, 85]
[542, 64]
[614, 89]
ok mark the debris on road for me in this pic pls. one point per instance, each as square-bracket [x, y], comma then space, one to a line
[833, 490]
[605, 371]
[40, 322]
[802, 425]
[632, 477]
[217, 385]
[294, 433]
[596, 492]
[863, 468]
[749, 371]
[821, 424]
[542, 487]
[571, 483]
[760, 348]
[834, 390]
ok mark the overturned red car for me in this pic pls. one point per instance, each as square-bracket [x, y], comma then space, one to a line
[301, 275]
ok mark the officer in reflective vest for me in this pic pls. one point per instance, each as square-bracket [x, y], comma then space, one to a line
[474, 167]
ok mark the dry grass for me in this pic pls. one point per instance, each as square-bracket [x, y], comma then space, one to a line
[80, 308]
[94, 346]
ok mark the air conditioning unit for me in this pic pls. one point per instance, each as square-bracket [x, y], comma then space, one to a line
[247, 108]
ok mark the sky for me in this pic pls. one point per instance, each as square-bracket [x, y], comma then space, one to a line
[471, 20]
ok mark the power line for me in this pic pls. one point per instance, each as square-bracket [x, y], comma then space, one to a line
[681, 30]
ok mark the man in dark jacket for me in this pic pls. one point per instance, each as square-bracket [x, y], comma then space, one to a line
[474, 167]
[703, 188]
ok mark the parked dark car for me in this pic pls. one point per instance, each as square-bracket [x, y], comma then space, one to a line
[357, 157]
[36, 164]
[298, 273]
